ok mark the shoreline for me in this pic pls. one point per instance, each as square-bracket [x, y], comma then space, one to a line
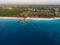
[30, 18]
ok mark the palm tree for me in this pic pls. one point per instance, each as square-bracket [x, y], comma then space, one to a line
[24, 15]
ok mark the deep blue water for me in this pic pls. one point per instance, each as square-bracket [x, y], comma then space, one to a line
[33, 32]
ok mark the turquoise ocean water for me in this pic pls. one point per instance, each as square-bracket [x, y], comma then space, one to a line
[33, 32]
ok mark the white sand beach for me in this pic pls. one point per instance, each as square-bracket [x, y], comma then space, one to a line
[30, 18]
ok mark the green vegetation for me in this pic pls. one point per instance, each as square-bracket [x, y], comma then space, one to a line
[30, 11]
[10, 12]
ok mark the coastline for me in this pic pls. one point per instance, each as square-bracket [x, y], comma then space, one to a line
[30, 18]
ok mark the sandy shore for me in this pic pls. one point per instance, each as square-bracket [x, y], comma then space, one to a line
[29, 18]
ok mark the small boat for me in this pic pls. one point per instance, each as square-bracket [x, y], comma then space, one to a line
[22, 20]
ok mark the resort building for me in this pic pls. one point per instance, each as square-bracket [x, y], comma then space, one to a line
[56, 10]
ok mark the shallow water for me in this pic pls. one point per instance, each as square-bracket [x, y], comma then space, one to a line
[33, 32]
